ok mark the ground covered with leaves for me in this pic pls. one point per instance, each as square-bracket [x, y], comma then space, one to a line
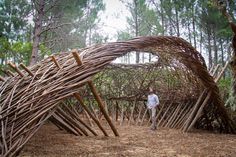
[139, 141]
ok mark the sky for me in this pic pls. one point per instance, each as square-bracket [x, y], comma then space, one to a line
[114, 18]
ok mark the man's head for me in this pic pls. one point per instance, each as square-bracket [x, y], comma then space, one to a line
[151, 90]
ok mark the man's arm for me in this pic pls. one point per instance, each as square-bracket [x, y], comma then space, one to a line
[157, 100]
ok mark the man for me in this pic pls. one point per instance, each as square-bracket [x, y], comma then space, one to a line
[152, 103]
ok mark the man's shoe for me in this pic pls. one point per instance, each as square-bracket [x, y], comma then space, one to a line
[153, 128]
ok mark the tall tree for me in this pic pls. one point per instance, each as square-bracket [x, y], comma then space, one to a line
[14, 26]
[40, 11]
[13, 19]
[143, 21]
[70, 24]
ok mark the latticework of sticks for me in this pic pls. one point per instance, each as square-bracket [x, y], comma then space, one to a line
[28, 98]
[126, 85]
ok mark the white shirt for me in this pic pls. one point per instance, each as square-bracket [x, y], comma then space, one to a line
[153, 101]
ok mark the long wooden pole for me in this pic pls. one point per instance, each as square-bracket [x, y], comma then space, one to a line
[13, 66]
[101, 105]
[56, 120]
[117, 108]
[144, 114]
[55, 61]
[195, 109]
[10, 73]
[95, 93]
[139, 114]
[77, 96]
[72, 113]
[199, 112]
[71, 121]
[26, 69]
[2, 79]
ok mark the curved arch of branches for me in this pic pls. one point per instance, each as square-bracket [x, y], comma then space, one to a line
[132, 81]
[28, 98]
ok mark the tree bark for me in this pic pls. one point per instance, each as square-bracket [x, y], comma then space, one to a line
[222, 52]
[223, 9]
[201, 39]
[189, 33]
[194, 28]
[233, 61]
[39, 7]
[215, 48]
[177, 20]
[162, 18]
[209, 48]
[136, 26]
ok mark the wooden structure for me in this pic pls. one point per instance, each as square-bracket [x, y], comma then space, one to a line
[35, 94]
[124, 88]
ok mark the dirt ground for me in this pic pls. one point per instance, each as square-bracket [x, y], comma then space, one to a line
[138, 141]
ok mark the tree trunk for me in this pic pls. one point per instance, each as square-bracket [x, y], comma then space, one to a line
[128, 58]
[136, 27]
[170, 27]
[201, 39]
[189, 33]
[162, 18]
[149, 57]
[39, 7]
[233, 61]
[222, 52]
[143, 58]
[215, 48]
[222, 55]
[177, 20]
[209, 48]
[194, 29]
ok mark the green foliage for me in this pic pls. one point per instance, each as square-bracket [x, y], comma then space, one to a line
[231, 101]
[21, 51]
[44, 51]
[225, 83]
[4, 47]
[79, 21]
[143, 20]
[13, 18]
[225, 87]
[123, 35]
[64, 22]
[4, 44]
[16, 52]
[98, 38]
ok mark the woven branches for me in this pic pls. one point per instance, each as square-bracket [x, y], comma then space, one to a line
[32, 95]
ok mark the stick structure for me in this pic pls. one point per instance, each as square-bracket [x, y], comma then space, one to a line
[26, 69]
[13, 66]
[26, 103]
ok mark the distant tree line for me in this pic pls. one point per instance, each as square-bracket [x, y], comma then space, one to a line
[197, 21]
[32, 29]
